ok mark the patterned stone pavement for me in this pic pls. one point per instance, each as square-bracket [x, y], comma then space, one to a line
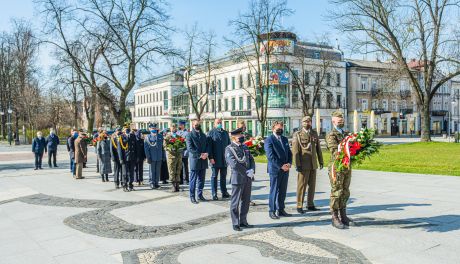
[85, 222]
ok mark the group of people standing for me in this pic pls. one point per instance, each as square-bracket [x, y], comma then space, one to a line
[41, 145]
[128, 149]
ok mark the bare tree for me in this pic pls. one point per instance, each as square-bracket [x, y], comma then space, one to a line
[198, 61]
[7, 71]
[253, 31]
[312, 78]
[402, 29]
[129, 35]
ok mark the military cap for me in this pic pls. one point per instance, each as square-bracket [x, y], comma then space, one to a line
[306, 118]
[182, 122]
[337, 114]
[236, 131]
[153, 125]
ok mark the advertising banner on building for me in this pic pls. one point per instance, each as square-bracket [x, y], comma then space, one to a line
[278, 76]
[278, 46]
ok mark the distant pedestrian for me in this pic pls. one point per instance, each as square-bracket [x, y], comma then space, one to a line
[38, 147]
[95, 138]
[81, 152]
[103, 152]
[52, 142]
[71, 149]
[115, 158]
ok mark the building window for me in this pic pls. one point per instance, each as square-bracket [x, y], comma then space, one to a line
[249, 126]
[375, 104]
[363, 84]
[233, 103]
[233, 83]
[374, 84]
[394, 106]
[219, 105]
[317, 55]
[339, 101]
[227, 125]
[328, 79]
[316, 77]
[225, 104]
[213, 105]
[226, 84]
[364, 106]
[385, 105]
[241, 102]
[201, 88]
[161, 110]
[165, 100]
[233, 125]
[241, 81]
[249, 80]
[248, 102]
[219, 86]
[306, 78]
[207, 108]
[337, 81]
[329, 100]
[295, 95]
[307, 99]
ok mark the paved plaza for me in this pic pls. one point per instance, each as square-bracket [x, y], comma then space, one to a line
[46, 216]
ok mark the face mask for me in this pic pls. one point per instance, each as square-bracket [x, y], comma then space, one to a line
[40, 136]
[340, 125]
[279, 131]
[241, 139]
[219, 126]
[128, 131]
[75, 135]
[197, 127]
[153, 131]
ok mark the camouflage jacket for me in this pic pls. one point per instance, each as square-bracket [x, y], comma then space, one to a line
[333, 139]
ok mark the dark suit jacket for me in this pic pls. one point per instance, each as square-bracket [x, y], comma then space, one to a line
[39, 145]
[218, 140]
[197, 143]
[277, 154]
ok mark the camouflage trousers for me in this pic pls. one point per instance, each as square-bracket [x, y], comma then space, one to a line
[174, 167]
[340, 189]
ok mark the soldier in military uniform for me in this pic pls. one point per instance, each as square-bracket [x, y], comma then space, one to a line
[306, 150]
[241, 162]
[174, 160]
[340, 182]
[115, 158]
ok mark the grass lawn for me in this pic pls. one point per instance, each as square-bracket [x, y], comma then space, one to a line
[421, 157]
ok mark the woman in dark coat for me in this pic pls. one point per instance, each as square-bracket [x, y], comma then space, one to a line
[103, 151]
[139, 177]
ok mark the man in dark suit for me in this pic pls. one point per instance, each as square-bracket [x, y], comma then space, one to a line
[240, 160]
[218, 140]
[279, 157]
[197, 147]
[126, 147]
[38, 147]
[52, 142]
[115, 158]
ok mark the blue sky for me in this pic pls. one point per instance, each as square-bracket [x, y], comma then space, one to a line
[307, 21]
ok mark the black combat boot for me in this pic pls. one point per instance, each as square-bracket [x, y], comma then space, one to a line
[344, 218]
[336, 221]
[103, 179]
[107, 177]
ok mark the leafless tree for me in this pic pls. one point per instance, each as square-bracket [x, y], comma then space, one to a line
[130, 34]
[253, 32]
[419, 29]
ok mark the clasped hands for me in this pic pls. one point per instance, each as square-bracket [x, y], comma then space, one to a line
[286, 167]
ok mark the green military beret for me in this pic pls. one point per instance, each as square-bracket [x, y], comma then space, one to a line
[306, 118]
[337, 114]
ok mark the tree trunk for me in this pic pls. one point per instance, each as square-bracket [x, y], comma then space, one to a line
[425, 114]
[120, 115]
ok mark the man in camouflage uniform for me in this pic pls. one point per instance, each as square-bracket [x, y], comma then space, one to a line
[340, 183]
[306, 150]
[174, 160]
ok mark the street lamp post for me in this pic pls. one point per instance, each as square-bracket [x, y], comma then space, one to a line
[1, 120]
[9, 125]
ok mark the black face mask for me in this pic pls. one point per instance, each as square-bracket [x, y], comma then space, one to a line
[198, 127]
[279, 131]
[241, 139]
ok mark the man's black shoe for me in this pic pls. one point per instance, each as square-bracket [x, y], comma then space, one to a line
[300, 211]
[193, 200]
[201, 198]
[36, 169]
[41, 168]
[125, 189]
[312, 208]
[214, 198]
[273, 215]
[157, 186]
[246, 225]
[56, 166]
[225, 195]
[50, 166]
[236, 228]
[283, 213]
